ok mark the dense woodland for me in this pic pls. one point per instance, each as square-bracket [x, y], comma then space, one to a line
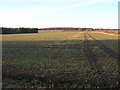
[18, 30]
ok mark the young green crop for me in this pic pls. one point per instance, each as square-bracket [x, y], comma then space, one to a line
[56, 67]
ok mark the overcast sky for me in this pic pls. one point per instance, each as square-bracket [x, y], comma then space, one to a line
[59, 13]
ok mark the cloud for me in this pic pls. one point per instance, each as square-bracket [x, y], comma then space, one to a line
[106, 0]
[31, 11]
[85, 3]
[27, 16]
[49, 1]
[54, 1]
[44, 10]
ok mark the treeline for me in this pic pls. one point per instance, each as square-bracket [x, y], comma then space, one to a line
[110, 31]
[66, 29]
[5, 30]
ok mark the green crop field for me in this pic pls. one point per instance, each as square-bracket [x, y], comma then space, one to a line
[69, 59]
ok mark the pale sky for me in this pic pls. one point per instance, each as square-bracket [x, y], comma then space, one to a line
[59, 13]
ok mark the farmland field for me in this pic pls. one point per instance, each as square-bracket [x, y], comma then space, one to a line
[69, 59]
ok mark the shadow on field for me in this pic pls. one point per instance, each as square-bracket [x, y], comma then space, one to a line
[59, 64]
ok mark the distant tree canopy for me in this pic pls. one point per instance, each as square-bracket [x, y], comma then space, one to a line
[112, 31]
[81, 29]
[18, 30]
[66, 29]
[5, 30]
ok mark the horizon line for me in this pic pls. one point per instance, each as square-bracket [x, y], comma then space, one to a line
[58, 27]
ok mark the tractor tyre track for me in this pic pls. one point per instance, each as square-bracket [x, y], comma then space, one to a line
[106, 49]
[94, 62]
[93, 59]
